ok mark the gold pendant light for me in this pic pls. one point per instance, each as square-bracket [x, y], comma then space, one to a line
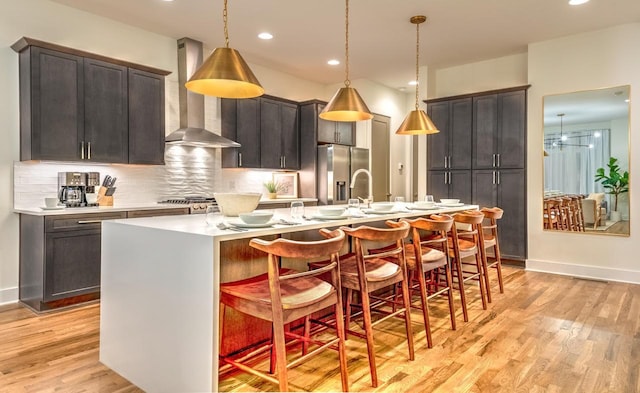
[417, 122]
[346, 104]
[225, 73]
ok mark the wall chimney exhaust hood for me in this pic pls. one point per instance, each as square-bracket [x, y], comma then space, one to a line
[192, 131]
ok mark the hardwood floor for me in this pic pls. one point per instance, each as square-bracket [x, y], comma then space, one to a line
[547, 333]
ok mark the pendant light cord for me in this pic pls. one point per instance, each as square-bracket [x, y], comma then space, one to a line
[224, 21]
[417, 60]
[347, 82]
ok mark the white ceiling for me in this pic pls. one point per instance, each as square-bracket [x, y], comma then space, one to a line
[382, 40]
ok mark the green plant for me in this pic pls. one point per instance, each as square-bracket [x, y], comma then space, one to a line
[272, 186]
[614, 183]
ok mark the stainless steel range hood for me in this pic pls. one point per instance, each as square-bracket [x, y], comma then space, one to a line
[192, 131]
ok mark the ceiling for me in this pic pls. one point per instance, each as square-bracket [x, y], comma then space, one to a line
[382, 40]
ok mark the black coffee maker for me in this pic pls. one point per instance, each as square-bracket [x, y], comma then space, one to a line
[73, 187]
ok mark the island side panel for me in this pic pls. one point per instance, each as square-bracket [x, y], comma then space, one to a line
[159, 308]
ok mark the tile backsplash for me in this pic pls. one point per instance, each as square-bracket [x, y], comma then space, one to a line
[187, 171]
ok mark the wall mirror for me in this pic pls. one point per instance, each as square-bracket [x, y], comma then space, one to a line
[584, 131]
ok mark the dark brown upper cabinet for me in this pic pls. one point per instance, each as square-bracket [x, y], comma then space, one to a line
[79, 106]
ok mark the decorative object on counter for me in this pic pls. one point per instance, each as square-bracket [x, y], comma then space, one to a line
[614, 183]
[103, 198]
[232, 204]
[225, 73]
[346, 104]
[288, 184]
[417, 122]
[272, 187]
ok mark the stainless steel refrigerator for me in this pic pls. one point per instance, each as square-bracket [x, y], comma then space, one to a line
[335, 166]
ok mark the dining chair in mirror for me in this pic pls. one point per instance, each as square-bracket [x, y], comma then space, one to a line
[586, 161]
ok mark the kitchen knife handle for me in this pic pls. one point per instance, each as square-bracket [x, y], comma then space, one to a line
[88, 150]
[82, 150]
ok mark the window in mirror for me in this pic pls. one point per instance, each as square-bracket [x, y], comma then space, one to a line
[582, 132]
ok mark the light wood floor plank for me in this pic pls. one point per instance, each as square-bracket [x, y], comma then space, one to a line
[547, 333]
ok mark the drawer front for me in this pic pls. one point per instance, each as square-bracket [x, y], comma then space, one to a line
[72, 222]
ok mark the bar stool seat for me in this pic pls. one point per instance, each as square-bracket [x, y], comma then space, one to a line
[282, 296]
[378, 269]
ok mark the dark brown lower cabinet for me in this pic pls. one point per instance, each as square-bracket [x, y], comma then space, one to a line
[450, 184]
[60, 256]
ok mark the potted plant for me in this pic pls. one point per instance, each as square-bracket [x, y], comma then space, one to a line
[272, 187]
[614, 183]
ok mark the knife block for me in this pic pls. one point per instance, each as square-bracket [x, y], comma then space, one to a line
[104, 200]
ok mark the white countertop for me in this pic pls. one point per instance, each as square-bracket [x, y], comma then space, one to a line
[196, 224]
[118, 207]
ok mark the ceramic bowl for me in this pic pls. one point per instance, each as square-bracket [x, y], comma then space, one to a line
[424, 204]
[449, 201]
[331, 211]
[256, 217]
[382, 206]
[231, 204]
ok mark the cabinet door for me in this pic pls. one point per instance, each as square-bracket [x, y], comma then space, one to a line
[345, 132]
[228, 114]
[146, 118]
[270, 134]
[485, 126]
[72, 264]
[438, 144]
[326, 129]
[485, 189]
[437, 184]
[512, 109]
[512, 228]
[106, 110]
[460, 134]
[290, 136]
[51, 84]
[248, 132]
[460, 185]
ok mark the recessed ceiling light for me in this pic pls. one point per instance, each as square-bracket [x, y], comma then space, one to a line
[596, 134]
[577, 2]
[413, 83]
[265, 36]
[333, 62]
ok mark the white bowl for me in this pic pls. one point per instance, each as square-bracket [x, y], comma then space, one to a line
[231, 204]
[331, 211]
[424, 204]
[449, 201]
[256, 217]
[382, 206]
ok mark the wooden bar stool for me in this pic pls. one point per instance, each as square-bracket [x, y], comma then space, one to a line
[490, 237]
[468, 243]
[365, 273]
[282, 296]
[426, 257]
[551, 215]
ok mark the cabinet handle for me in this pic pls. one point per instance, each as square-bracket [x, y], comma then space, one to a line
[493, 160]
[449, 174]
[89, 221]
[239, 159]
[494, 177]
[284, 161]
[498, 177]
[445, 178]
[449, 164]
[88, 150]
[498, 155]
[445, 162]
[82, 150]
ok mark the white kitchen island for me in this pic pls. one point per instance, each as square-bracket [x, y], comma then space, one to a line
[159, 292]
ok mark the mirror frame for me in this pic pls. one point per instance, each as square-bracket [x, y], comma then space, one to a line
[567, 109]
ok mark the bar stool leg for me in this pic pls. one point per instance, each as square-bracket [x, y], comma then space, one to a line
[425, 307]
[368, 329]
[463, 296]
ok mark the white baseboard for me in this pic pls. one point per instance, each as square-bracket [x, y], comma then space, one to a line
[8, 295]
[584, 271]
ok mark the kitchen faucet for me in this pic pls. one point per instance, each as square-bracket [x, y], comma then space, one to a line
[353, 179]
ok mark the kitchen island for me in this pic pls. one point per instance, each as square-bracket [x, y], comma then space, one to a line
[160, 283]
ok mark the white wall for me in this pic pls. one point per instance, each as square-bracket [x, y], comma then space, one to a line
[591, 60]
[52, 22]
